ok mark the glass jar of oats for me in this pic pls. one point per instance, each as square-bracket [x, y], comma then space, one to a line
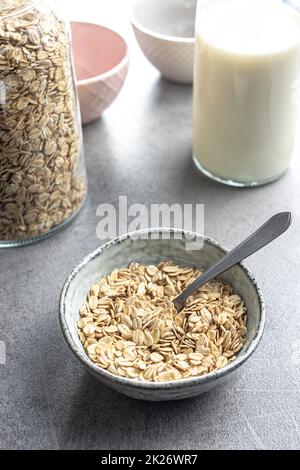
[42, 171]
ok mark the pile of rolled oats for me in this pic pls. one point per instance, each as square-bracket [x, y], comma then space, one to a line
[130, 326]
[40, 137]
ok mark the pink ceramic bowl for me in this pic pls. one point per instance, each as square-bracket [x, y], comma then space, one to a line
[101, 64]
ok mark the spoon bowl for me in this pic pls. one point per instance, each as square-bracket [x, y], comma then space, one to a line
[151, 247]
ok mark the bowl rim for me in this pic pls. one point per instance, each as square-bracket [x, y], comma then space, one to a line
[174, 384]
[109, 73]
[166, 37]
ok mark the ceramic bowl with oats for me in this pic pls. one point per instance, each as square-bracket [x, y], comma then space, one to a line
[116, 315]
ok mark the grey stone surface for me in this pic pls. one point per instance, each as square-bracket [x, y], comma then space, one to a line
[142, 148]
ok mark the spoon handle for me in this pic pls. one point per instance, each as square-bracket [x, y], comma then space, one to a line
[274, 227]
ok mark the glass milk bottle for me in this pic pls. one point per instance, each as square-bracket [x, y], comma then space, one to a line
[245, 89]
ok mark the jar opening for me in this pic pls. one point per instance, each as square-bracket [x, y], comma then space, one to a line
[13, 7]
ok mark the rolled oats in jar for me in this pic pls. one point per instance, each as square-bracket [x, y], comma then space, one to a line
[42, 172]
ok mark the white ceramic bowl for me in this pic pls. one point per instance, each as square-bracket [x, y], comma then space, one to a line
[119, 253]
[164, 30]
[101, 62]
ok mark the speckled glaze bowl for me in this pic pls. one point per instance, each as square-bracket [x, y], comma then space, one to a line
[131, 247]
[101, 62]
[164, 30]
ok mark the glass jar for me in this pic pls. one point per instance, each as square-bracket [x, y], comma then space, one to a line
[246, 85]
[42, 171]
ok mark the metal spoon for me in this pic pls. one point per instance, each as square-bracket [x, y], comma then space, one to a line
[274, 227]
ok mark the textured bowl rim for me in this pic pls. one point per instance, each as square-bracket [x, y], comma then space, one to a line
[123, 62]
[175, 384]
[150, 32]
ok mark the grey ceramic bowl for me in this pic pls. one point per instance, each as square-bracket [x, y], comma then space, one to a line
[131, 247]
